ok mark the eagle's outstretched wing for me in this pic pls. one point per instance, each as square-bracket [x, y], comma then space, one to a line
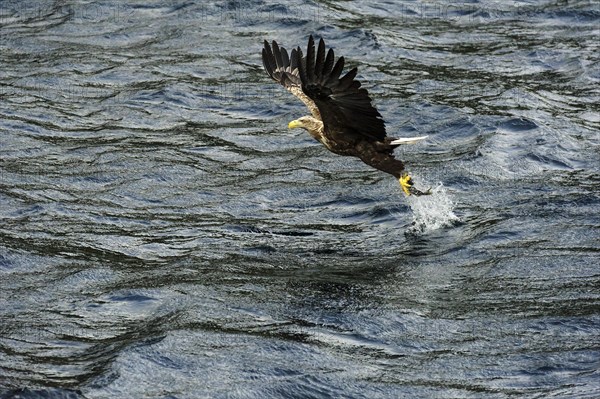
[344, 105]
[283, 68]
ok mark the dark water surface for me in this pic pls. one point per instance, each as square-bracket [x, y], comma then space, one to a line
[164, 235]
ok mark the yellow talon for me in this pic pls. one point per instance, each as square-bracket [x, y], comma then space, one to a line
[406, 183]
[408, 186]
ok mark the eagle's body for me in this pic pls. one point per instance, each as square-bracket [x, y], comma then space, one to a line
[342, 116]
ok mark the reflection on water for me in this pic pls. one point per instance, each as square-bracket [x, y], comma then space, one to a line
[163, 234]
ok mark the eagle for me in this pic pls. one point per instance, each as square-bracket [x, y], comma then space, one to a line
[342, 116]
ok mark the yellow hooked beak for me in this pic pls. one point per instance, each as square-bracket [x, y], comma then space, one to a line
[294, 124]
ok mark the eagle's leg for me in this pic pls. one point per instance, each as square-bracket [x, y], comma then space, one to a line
[408, 186]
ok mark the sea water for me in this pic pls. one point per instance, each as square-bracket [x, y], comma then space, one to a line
[432, 212]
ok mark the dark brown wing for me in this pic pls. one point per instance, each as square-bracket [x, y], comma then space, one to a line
[283, 68]
[343, 104]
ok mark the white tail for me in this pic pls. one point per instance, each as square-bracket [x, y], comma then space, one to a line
[408, 140]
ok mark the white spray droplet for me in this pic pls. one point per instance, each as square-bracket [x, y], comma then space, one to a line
[432, 212]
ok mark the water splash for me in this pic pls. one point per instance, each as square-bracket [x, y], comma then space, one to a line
[432, 212]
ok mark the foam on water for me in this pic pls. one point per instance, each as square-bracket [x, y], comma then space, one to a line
[432, 212]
